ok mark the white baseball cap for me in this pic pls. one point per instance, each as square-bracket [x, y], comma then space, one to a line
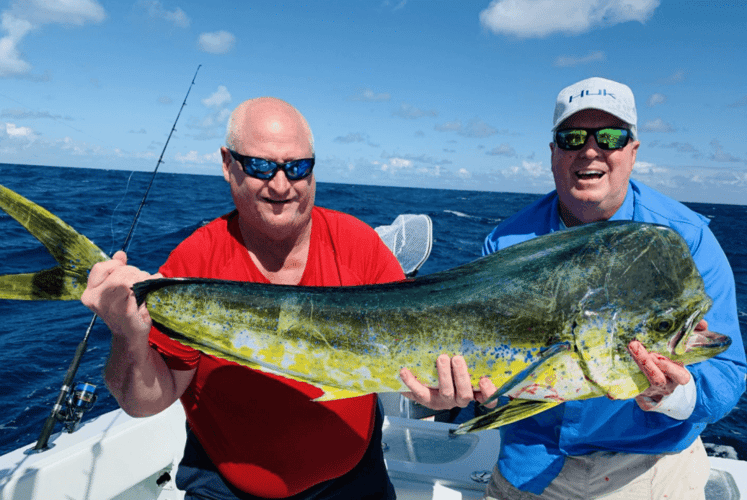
[597, 93]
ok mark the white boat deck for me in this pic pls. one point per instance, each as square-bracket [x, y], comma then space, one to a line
[117, 457]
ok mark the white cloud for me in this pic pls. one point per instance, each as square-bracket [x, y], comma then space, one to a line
[502, 150]
[676, 77]
[540, 18]
[395, 7]
[411, 112]
[218, 42]
[475, 128]
[69, 12]
[202, 159]
[464, 173]
[10, 59]
[647, 168]
[570, 61]
[22, 113]
[680, 147]
[435, 171]
[213, 124]
[74, 147]
[656, 99]
[527, 168]
[657, 125]
[396, 164]
[178, 18]
[454, 126]
[369, 95]
[156, 10]
[219, 98]
[16, 132]
[478, 129]
[218, 118]
[350, 138]
[25, 16]
[720, 155]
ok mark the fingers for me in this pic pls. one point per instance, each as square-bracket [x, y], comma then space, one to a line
[487, 388]
[445, 380]
[454, 385]
[120, 256]
[109, 295]
[701, 326]
[671, 370]
[418, 392]
[663, 374]
[462, 381]
[101, 271]
[647, 363]
[659, 370]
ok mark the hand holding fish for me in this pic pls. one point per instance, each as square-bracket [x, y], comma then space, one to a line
[454, 386]
[109, 295]
[663, 374]
[137, 375]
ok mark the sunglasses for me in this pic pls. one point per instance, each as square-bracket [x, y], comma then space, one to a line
[608, 138]
[259, 168]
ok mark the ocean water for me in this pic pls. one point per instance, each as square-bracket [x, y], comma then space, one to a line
[38, 339]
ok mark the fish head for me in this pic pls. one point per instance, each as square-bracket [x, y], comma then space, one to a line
[677, 333]
[646, 288]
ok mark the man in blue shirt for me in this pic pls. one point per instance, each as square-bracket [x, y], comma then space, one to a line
[615, 449]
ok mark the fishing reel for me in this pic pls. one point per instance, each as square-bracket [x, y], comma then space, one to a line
[79, 401]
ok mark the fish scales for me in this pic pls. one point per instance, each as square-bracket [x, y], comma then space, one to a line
[499, 312]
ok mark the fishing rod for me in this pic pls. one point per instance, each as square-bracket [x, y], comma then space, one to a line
[83, 396]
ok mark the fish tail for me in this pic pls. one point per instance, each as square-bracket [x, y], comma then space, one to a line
[74, 253]
[515, 410]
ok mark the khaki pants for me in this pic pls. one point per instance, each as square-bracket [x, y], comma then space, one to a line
[619, 476]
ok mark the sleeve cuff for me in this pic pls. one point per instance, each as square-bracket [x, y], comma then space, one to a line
[680, 404]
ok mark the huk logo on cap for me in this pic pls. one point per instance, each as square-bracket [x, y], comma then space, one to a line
[602, 92]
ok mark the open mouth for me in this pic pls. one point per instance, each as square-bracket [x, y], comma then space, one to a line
[586, 175]
[688, 339]
[679, 341]
[705, 339]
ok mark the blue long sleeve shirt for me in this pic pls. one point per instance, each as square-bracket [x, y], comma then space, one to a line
[533, 450]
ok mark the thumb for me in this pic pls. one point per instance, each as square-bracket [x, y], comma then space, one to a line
[120, 256]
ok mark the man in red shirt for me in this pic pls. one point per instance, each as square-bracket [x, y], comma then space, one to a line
[253, 434]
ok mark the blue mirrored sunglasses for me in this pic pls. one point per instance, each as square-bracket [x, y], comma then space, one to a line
[259, 168]
[607, 138]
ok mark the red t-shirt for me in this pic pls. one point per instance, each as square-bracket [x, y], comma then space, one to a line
[262, 431]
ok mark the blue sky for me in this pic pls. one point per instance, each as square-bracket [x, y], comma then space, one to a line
[424, 93]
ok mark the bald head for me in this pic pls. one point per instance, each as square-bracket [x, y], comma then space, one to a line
[266, 119]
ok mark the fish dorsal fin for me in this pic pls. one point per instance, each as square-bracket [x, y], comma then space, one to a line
[515, 410]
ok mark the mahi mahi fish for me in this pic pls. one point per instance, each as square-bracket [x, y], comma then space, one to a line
[549, 320]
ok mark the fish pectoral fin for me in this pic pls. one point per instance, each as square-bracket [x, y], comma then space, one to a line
[515, 410]
[75, 253]
[546, 355]
[613, 377]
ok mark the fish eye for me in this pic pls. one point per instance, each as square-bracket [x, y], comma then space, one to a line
[664, 325]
